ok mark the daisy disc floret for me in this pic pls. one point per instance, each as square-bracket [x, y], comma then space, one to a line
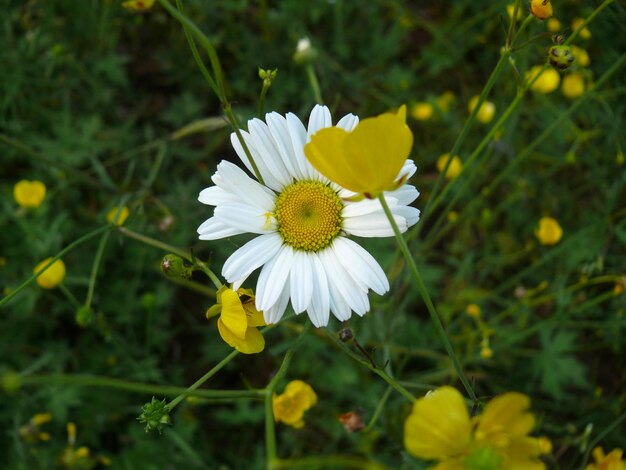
[303, 221]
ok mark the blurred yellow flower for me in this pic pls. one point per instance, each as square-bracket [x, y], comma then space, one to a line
[510, 9]
[553, 25]
[440, 428]
[31, 432]
[473, 310]
[51, 277]
[422, 111]
[121, 217]
[577, 23]
[138, 5]
[486, 112]
[289, 407]
[547, 82]
[29, 193]
[239, 320]
[486, 352]
[455, 168]
[541, 9]
[445, 100]
[453, 216]
[366, 160]
[573, 85]
[80, 458]
[581, 56]
[549, 231]
[611, 461]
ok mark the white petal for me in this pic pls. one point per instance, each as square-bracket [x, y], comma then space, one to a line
[373, 225]
[410, 214]
[298, 135]
[249, 257]
[264, 143]
[343, 285]
[233, 179]
[268, 178]
[273, 278]
[348, 122]
[214, 195]
[275, 313]
[364, 206]
[319, 310]
[319, 119]
[279, 131]
[213, 229]
[404, 195]
[244, 217]
[361, 265]
[301, 281]
[408, 169]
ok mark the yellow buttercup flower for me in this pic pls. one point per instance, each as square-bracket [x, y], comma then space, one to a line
[138, 5]
[577, 23]
[31, 432]
[581, 56]
[553, 25]
[239, 320]
[573, 85]
[486, 112]
[422, 111]
[29, 193]
[121, 217]
[445, 100]
[455, 168]
[51, 277]
[440, 428]
[473, 310]
[541, 9]
[549, 231]
[611, 461]
[79, 458]
[547, 82]
[510, 9]
[289, 407]
[366, 160]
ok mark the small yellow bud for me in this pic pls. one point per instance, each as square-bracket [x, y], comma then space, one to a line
[422, 111]
[305, 52]
[553, 25]
[473, 310]
[453, 216]
[455, 168]
[138, 5]
[547, 82]
[620, 159]
[41, 418]
[510, 9]
[29, 193]
[549, 231]
[486, 112]
[573, 85]
[545, 445]
[577, 23]
[51, 277]
[486, 352]
[541, 9]
[115, 218]
[581, 56]
[445, 100]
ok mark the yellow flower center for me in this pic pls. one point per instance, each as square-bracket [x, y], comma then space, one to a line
[308, 215]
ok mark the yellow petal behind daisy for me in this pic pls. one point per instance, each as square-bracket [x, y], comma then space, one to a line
[51, 277]
[30, 194]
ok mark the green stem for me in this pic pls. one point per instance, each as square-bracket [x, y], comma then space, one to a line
[601, 436]
[70, 297]
[262, 99]
[234, 123]
[81, 380]
[526, 22]
[513, 22]
[171, 405]
[588, 20]
[155, 243]
[95, 266]
[315, 86]
[426, 297]
[379, 410]
[67, 249]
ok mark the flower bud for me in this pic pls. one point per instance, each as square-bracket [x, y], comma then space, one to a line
[305, 53]
[84, 316]
[267, 76]
[176, 267]
[154, 415]
[346, 335]
[561, 56]
[541, 9]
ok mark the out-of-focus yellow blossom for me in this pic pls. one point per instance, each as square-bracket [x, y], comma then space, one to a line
[138, 5]
[473, 310]
[581, 56]
[541, 9]
[549, 231]
[51, 277]
[486, 352]
[547, 82]
[31, 432]
[289, 407]
[3, 261]
[366, 160]
[453, 216]
[422, 111]
[455, 168]
[577, 23]
[510, 9]
[573, 85]
[620, 159]
[553, 25]
[80, 458]
[239, 320]
[440, 428]
[29, 193]
[445, 100]
[610, 461]
[486, 112]
[121, 217]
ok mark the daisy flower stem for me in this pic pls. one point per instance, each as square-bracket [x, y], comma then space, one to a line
[426, 297]
[67, 249]
[171, 405]
[315, 85]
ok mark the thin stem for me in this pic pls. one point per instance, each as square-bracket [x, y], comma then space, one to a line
[95, 266]
[67, 249]
[70, 297]
[262, 99]
[155, 243]
[234, 123]
[588, 20]
[426, 297]
[513, 22]
[526, 22]
[315, 86]
[379, 410]
[601, 436]
[171, 405]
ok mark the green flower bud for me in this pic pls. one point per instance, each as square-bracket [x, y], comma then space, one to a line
[10, 382]
[176, 267]
[267, 76]
[305, 53]
[154, 415]
[561, 56]
[84, 316]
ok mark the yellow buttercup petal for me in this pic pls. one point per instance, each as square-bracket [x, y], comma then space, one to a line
[439, 426]
[506, 413]
[29, 193]
[303, 392]
[251, 343]
[233, 315]
[51, 277]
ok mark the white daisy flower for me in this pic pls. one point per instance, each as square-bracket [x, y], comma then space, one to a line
[304, 222]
